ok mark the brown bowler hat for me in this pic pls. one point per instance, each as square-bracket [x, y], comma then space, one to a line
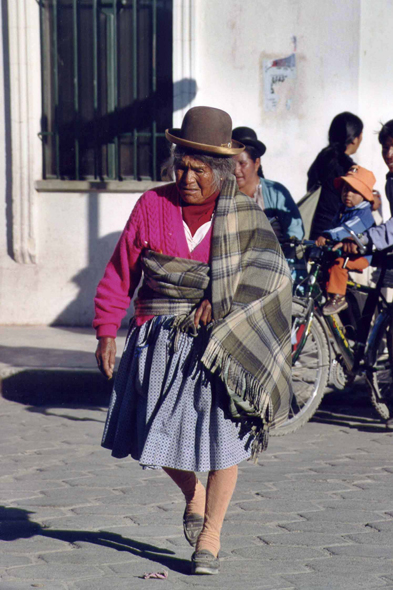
[361, 179]
[207, 130]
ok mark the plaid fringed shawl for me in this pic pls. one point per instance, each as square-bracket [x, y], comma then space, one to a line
[249, 345]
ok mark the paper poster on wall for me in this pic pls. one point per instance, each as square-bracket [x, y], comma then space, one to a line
[275, 73]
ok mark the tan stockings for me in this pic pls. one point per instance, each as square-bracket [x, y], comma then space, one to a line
[220, 487]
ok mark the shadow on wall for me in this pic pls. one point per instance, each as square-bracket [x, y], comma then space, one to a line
[80, 312]
[100, 131]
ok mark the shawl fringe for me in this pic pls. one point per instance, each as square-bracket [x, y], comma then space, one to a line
[241, 385]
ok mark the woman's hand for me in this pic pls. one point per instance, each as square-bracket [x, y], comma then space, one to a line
[106, 356]
[321, 241]
[204, 313]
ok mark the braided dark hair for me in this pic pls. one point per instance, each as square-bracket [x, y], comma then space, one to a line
[253, 153]
[344, 128]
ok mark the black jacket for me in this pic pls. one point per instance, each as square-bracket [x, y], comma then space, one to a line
[328, 165]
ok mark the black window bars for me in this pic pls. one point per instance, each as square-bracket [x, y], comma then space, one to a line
[107, 93]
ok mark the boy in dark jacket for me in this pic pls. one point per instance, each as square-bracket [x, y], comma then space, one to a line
[355, 214]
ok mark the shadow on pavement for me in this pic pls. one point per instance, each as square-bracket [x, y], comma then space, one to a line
[58, 388]
[351, 408]
[16, 524]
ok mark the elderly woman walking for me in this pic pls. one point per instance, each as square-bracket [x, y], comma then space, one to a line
[206, 367]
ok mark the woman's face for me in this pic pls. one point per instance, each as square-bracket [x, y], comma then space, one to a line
[194, 180]
[246, 171]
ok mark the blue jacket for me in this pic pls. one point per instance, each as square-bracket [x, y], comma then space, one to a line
[382, 235]
[359, 219]
[281, 209]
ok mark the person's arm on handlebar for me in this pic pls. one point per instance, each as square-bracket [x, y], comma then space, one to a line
[381, 236]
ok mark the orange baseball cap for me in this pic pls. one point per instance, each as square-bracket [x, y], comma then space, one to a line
[361, 179]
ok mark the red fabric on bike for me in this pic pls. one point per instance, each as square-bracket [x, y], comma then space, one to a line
[338, 276]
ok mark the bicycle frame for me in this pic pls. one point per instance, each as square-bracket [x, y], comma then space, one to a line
[334, 329]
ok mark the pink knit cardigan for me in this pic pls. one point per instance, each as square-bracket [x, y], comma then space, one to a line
[155, 223]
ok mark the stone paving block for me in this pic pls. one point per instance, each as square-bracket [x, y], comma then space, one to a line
[57, 474]
[271, 518]
[248, 529]
[383, 503]
[179, 564]
[325, 526]
[10, 560]
[346, 469]
[109, 545]
[311, 539]
[7, 585]
[146, 495]
[142, 532]
[341, 515]
[291, 486]
[380, 551]
[115, 481]
[65, 497]
[269, 506]
[126, 583]
[34, 544]
[57, 572]
[267, 552]
[93, 556]
[6, 497]
[377, 537]
[11, 450]
[381, 526]
[334, 581]
[116, 507]
[80, 523]
[16, 487]
[349, 565]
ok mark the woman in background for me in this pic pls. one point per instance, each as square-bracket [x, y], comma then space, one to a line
[345, 136]
[272, 197]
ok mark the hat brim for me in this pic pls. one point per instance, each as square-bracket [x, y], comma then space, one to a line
[256, 144]
[355, 183]
[174, 136]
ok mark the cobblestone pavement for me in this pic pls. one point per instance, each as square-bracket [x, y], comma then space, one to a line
[315, 513]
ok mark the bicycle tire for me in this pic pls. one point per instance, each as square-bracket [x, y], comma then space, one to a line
[310, 373]
[379, 374]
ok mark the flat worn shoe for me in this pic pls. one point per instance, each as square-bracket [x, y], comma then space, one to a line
[192, 527]
[335, 304]
[204, 562]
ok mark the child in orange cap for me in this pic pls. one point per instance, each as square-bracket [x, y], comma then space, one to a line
[355, 214]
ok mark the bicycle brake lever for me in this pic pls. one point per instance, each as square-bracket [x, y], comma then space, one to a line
[362, 247]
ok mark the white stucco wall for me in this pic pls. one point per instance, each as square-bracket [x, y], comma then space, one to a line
[375, 84]
[3, 227]
[343, 63]
[232, 39]
[76, 235]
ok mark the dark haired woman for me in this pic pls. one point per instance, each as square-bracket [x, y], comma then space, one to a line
[345, 136]
[273, 198]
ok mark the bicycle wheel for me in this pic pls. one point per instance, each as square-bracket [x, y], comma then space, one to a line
[310, 372]
[380, 370]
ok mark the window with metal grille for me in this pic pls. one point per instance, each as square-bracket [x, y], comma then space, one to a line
[106, 88]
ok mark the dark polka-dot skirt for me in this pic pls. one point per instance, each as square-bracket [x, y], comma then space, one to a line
[166, 410]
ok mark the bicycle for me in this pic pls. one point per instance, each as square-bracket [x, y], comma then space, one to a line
[333, 350]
